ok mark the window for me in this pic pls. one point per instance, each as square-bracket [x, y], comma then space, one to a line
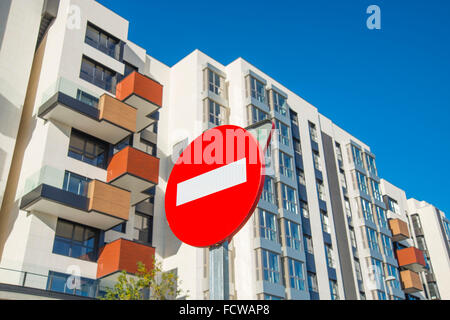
[387, 246]
[149, 147]
[372, 239]
[267, 225]
[58, 282]
[433, 290]
[367, 210]
[325, 221]
[217, 114]
[292, 235]
[381, 216]
[98, 75]
[143, 228]
[271, 297]
[301, 176]
[357, 156]
[286, 165]
[258, 90]
[257, 115]
[416, 224]
[268, 192]
[362, 182]
[316, 159]
[289, 198]
[102, 41]
[75, 183]
[381, 295]
[334, 290]
[128, 141]
[129, 69]
[294, 117]
[296, 275]
[421, 243]
[279, 103]
[88, 149]
[393, 272]
[304, 209]
[329, 254]
[353, 237]
[122, 228]
[337, 148]
[313, 132]
[393, 206]
[308, 244]
[348, 209]
[320, 190]
[358, 270]
[86, 98]
[376, 190]
[271, 266]
[215, 83]
[312, 282]
[297, 146]
[342, 179]
[76, 241]
[371, 164]
[283, 133]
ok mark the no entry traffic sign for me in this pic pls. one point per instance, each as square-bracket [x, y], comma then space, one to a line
[215, 186]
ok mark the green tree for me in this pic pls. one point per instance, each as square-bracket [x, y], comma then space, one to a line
[159, 285]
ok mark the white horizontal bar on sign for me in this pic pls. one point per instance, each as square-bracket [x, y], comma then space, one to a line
[219, 179]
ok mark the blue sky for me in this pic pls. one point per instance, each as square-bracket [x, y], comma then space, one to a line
[389, 87]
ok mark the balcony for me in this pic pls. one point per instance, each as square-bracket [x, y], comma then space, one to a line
[411, 259]
[144, 94]
[103, 117]
[101, 206]
[122, 255]
[133, 170]
[399, 229]
[410, 282]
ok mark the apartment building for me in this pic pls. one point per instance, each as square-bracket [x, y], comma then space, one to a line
[102, 120]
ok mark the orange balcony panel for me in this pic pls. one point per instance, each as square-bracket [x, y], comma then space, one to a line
[399, 229]
[133, 170]
[144, 94]
[411, 259]
[109, 200]
[123, 255]
[117, 112]
[410, 281]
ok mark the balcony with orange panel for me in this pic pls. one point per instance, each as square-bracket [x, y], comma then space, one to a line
[399, 229]
[122, 255]
[411, 259]
[133, 170]
[411, 282]
[144, 94]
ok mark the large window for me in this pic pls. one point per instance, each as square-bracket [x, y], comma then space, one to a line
[87, 98]
[381, 217]
[268, 191]
[98, 75]
[348, 208]
[143, 228]
[308, 244]
[279, 103]
[84, 287]
[372, 239]
[304, 208]
[301, 176]
[271, 266]
[104, 42]
[330, 256]
[371, 164]
[316, 159]
[217, 114]
[376, 190]
[325, 221]
[357, 156]
[353, 237]
[358, 270]
[387, 246]
[393, 272]
[334, 290]
[337, 148]
[88, 149]
[75, 183]
[294, 117]
[267, 225]
[289, 198]
[362, 182]
[296, 275]
[76, 241]
[320, 190]
[286, 167]
[367, 210]
[297, 146]
[257, 115]
[258, 90]
[313, 132]
[312, 282]
[215, 83]
[292, 235]
[393, 206]
[283, 133]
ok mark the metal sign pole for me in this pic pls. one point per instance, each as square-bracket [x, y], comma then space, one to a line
[219, 284]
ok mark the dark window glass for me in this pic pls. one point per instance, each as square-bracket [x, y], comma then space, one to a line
[128, 141]
[75, 183]
[143, 228]
[76, 241]
[102, 41]
[87, 98]
[65, 283]
[120, 228]
[98, 75]
[88, 149]
[149, 147]
[129, 68]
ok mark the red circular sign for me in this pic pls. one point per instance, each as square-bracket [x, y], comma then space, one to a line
[215, 186]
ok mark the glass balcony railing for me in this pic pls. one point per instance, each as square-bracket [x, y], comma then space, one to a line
[72, 90]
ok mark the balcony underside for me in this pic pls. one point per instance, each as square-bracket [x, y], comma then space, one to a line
[135, 185]
[145, 110]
